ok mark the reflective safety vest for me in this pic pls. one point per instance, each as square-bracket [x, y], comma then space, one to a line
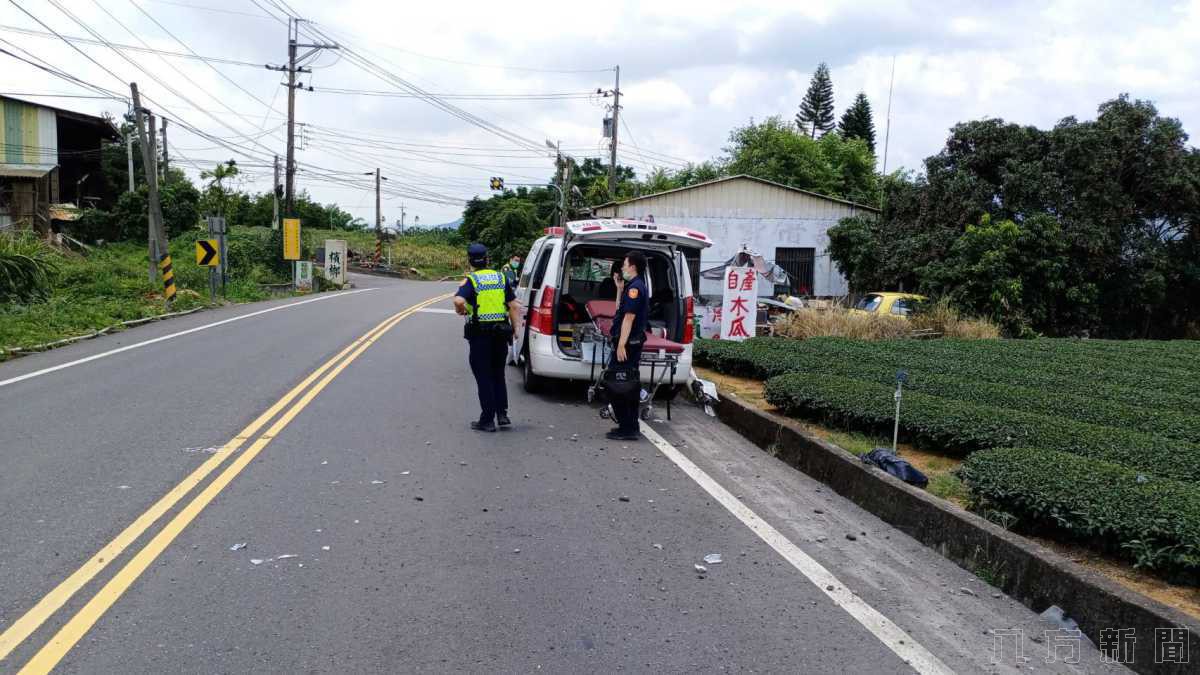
[489, 306]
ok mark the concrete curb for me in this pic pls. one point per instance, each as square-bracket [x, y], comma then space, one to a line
[1032, 574]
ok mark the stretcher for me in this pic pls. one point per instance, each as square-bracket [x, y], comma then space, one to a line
[597, 344]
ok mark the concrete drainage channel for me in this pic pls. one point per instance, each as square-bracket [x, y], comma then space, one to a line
[1027, 572]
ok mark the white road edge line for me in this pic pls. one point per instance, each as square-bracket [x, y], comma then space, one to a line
[891, 635]
[118, 350]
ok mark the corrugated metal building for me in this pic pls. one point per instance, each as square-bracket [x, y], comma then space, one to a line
[42, 149]
[784, 224]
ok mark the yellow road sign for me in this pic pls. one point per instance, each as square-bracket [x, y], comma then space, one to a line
[208, 253]
[291, 238]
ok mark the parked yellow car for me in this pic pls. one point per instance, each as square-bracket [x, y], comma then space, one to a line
[888, 304]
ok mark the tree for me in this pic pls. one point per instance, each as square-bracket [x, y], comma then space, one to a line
[816, 110]
[1089, 227]
[857, 122]
[215, 190]
[775, 150]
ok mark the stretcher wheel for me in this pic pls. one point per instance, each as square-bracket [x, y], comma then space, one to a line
[645, 413]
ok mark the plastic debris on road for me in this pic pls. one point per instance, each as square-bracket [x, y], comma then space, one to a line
[713, 558]
[1055, 615]
[405, 473]
[285, 556]
[257, 561]
[658, 546]
[324, 548]
[378, 482]
[122, 487]
[238, 547]
[700, 568]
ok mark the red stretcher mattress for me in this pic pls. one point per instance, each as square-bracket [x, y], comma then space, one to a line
[602, 313]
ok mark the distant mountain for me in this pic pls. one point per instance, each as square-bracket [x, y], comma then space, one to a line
[452, 225]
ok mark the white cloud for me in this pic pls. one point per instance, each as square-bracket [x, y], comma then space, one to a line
[691, 70]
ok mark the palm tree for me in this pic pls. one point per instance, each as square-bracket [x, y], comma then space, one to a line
[216, 178]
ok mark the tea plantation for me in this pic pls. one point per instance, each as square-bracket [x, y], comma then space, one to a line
[1094, 441]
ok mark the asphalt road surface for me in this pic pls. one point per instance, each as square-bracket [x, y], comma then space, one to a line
[329, 437]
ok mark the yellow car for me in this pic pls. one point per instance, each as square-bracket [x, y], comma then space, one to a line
[888, 304]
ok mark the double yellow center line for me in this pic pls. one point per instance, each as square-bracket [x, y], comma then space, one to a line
[62, 642]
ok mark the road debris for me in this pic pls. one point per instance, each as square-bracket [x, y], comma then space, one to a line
[700, 568]
[285, 556]
[966, 591]
[851, 537]
[623, 498]
[658, 546]
[324, 548]
[378, 482]
[257, 561]
[713, 559]
[238, 547]
[405, 473]
[122, 487]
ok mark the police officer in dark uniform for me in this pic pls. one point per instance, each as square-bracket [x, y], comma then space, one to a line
[629, 334]
[488, 302]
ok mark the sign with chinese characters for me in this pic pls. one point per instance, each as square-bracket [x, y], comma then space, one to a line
[335, 261]
[739, 303]
[291, 238]
[304, 279]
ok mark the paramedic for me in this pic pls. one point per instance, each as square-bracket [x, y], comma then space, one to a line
[629, 334]
[512, 271]
[490, 306]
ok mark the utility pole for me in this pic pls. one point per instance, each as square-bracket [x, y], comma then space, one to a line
[129, 154]
[164, 149]
[565, 194]
[291, 69]
[402, 212]
[616, 113]
[275, 195]
[159, 245]
[378, 212]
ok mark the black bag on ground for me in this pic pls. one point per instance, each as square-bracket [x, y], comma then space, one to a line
[621, 384]
[884, 459]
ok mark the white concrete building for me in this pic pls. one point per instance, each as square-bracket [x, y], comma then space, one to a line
[784, 224]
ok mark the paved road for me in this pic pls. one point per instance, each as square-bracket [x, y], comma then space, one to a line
[390, 538]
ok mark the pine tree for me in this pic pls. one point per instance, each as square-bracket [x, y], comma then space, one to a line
[816, 110]
[857, 122]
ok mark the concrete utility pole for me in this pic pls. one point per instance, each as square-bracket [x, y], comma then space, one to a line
[378, 211]
[159, 245]
[291, 69]
[616, 112]
[275, 196]
[402, 212]
[129, 155]
[164, 149]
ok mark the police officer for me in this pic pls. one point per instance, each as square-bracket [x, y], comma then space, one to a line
[490, 306]
[629, 334]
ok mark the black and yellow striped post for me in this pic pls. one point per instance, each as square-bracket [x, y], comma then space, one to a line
[168, 276]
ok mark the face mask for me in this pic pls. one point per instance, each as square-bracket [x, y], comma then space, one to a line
[515, 265]
[628, 276]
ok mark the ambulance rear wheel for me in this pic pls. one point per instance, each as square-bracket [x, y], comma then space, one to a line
[532, 382]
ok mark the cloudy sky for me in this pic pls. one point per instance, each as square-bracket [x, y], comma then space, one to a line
[512, 75]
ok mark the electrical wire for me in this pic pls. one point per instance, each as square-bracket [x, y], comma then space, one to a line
[132, 48]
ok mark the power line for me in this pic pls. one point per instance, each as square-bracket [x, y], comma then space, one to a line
[132, 48]
[461, 97]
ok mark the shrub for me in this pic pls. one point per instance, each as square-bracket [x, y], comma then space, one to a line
[1154, 522]
[808, 323]
[963, 427]
[27, 268]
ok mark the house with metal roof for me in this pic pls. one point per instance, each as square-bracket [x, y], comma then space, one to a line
[48, 156]
[785, 225]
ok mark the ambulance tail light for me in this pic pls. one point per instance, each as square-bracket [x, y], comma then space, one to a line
[542, 319]
[689, 320]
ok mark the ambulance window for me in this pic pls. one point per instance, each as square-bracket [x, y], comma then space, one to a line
[539, 272]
